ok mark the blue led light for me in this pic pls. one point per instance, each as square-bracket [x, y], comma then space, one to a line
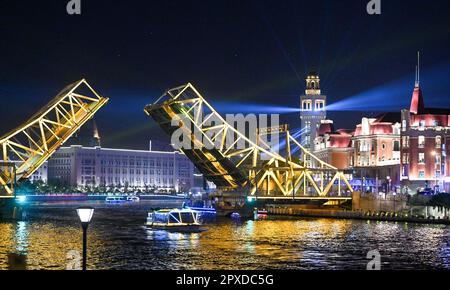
[21, 199]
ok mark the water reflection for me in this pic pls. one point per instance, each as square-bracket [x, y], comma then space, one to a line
[174, 239]
[21, 238]
[118, 240]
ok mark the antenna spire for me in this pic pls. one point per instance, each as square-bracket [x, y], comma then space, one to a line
[418, 70]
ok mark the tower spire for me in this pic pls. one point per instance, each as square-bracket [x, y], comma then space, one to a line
[418, 70]
[417, 103]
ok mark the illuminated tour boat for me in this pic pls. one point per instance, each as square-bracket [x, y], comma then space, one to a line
[185, 220]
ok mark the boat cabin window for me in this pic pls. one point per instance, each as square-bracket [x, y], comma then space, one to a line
[162, 218]
[174, 218]
[187, 217]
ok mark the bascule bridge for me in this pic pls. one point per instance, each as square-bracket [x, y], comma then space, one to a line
[255, 170]
[32, 143]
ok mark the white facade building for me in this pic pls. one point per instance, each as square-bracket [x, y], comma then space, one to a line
[86, 166]
[40, 174]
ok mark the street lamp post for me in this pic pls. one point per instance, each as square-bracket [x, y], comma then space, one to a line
[85, 214]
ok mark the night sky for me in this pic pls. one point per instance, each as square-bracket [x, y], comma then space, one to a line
[244, 56]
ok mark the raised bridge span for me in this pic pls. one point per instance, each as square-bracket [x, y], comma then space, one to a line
[256, 169]
[24, 149]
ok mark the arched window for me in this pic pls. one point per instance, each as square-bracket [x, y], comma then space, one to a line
[320, 105]
[396, 145]
[307, 105]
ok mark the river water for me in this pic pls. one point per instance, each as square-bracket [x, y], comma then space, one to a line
[118, 239]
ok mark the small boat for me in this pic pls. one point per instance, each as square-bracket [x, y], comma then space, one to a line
[115, 199]
[133, 198]
[179, 220]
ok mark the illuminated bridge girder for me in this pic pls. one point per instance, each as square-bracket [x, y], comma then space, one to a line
[31, 144]
[215, 153]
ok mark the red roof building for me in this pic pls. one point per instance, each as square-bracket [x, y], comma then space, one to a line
[425, 142]
[334, 147]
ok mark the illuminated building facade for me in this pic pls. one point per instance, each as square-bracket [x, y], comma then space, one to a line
[371, 151]
[334, 147]
[120, 168]
[376, 144]
[425, 140]
[312, 110]
[377, 141]
[40, 175]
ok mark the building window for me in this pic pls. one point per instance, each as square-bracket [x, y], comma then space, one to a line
[404, 125]
[307, 105]
[438, 141]
[404, 171]
[308, 126]
[405, 158]
[396, 145]
[308, 139]
[422, 124]
[422, 174]
[405, 141]
[438, 160]
[421, 158]
[438, 174]
[421, 141]
[320, 105]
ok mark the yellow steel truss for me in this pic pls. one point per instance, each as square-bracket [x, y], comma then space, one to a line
[230, 167]
[36, 140]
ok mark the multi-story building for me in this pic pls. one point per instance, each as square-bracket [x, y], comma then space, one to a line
[40, 175]
[312, 110]
[371, 151]
[334, 147]
[425, 145]
[377, 141]
[376, 144]
[120, 168]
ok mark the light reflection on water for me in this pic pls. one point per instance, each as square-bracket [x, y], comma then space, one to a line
[118, 239]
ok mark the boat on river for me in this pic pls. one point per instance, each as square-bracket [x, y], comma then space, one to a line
[115, 199]
[133, 198]
[179, 220]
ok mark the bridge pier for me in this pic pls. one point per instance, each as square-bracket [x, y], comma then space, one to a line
[11, 210]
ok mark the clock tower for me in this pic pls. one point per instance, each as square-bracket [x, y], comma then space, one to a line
[312, 111]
